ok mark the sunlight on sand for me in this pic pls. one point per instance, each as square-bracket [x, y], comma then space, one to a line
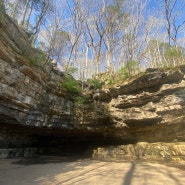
[105, 173]
[58, 171]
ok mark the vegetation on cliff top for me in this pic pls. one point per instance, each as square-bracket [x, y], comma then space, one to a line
[103, 36]
[85, 55]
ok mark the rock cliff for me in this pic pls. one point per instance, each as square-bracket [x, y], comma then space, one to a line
[151, 107]
[146, 111]
[28, 95]
[142, 151]
[36, 111]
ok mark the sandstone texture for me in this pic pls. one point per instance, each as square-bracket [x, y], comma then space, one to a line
[152, 109]
[36, 110]
[149, 113]
[28, 96]
[142, 151]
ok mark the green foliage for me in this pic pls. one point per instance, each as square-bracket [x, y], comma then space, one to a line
[110, 80]
[2, 6]
[96, 83]
[71, 85]
[81, 101]
[169, 55]
[40, 55]
[63, 35]
[174, 52]
[174, 56]
[37, 58]
[129, 69]
[34, 62]
[123, 73]
[71, 70]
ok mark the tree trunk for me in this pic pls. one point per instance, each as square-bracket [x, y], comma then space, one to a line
[86, 62]
[15, 9]
[29, 15]
[109, 56]
[24, 12]
[41, 16]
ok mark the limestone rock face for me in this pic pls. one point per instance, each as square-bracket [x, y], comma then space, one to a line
[147, 81]
[150, 107]
[142, 151]
[28, 96]
[17, 153]
[148, 111]
[35, 109]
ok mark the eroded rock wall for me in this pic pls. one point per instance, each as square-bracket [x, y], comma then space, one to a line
[148, 108]
[149, 113]
[142, 151]
[28, 94]
[35, 110]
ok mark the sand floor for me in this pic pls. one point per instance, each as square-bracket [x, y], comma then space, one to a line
[59, 170]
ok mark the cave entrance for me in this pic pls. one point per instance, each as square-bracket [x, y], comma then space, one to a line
[21, 140]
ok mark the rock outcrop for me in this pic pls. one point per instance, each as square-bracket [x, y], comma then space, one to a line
[147, 110]
[151, 108]
[36, 110]
[142, 151]
[28, 95]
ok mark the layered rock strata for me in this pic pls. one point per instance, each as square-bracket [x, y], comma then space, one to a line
[35, 109]
[148, 111]
[150, 107]
[29, 95]
[142, 151]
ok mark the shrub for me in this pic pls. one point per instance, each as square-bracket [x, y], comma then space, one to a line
[123, 73]
[71, 85]
[110, 80]
[80, 101]
[71, 70]
[129, 69]
[96, 83]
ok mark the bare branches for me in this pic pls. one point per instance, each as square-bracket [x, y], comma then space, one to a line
[99, 35]
[172, 11]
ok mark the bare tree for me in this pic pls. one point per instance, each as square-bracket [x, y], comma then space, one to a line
[95, 33]
[44, 7]
[24, 12]
[77, 20]
[104, 35]
[135, 36]
[53, 37]
[173, 10]
[14, 9]
[115, 22]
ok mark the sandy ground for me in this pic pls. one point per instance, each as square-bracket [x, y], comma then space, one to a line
[58, 170]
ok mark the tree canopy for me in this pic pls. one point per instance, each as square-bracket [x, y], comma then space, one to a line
[94, 36]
